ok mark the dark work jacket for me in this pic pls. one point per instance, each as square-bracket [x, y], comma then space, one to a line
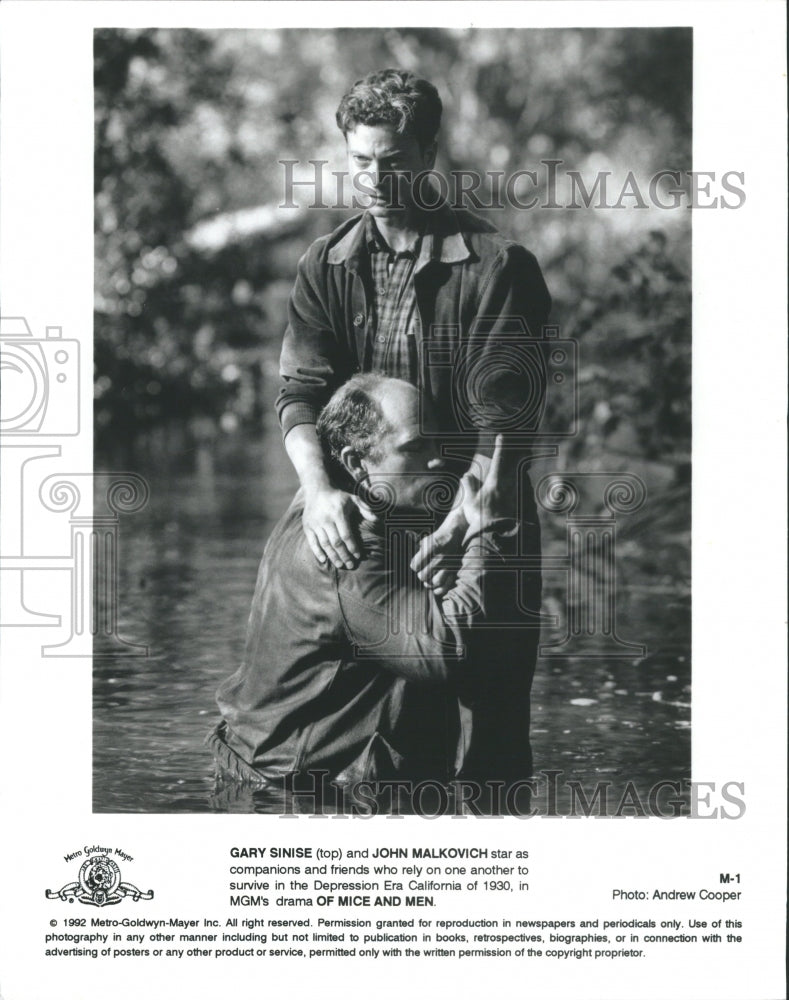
[478, 297]
[360, 673]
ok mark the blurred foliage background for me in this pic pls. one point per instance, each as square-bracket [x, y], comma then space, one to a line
[195, 258]
[194, 264]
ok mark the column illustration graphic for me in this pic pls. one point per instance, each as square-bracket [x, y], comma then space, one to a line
[94, 502]
[590, 558]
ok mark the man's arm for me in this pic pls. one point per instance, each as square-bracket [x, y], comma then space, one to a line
[330, 515]
[310, 370]
[404, 627]
[433, 560]
[400, 626]
[309, 359]
[515, 303]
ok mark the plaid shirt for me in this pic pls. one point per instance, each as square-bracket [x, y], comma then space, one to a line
[471, 284]
[392, 336]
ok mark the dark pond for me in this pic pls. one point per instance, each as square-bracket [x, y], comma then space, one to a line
[187, 565]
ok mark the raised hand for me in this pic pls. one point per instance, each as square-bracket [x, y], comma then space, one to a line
[492, 499]
[436, 563]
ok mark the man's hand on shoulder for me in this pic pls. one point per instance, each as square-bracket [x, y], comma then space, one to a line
[331, 523]
[331, 516]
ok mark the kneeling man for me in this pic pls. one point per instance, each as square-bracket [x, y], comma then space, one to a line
[364, 674]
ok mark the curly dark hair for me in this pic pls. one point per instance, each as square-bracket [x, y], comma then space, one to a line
[392, 97]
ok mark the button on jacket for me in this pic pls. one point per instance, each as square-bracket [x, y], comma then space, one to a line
[475, 292]
[360, 673]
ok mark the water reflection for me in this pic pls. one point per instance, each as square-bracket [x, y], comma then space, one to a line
[187, 570]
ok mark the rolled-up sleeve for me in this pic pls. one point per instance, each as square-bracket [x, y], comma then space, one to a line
[308, 362]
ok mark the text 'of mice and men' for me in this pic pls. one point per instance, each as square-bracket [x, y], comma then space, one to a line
[266, 869]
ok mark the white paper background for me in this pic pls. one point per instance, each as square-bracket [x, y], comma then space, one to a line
[739, 265]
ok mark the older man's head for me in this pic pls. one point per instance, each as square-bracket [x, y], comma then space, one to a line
[371, 432]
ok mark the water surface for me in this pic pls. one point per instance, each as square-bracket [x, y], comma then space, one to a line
[188, 563]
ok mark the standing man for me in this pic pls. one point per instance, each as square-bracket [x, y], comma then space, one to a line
[407, 275]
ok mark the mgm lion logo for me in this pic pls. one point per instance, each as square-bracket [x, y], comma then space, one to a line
[99, 885]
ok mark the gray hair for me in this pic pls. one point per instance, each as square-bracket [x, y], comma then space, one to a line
[352, 418]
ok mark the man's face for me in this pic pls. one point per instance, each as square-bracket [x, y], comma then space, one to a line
[407, 464]
[384, 164]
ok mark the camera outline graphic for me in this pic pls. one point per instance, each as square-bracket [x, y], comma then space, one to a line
[503, 383]
[41, 381]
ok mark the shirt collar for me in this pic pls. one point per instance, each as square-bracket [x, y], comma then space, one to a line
[442, 241]
[375, 242]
